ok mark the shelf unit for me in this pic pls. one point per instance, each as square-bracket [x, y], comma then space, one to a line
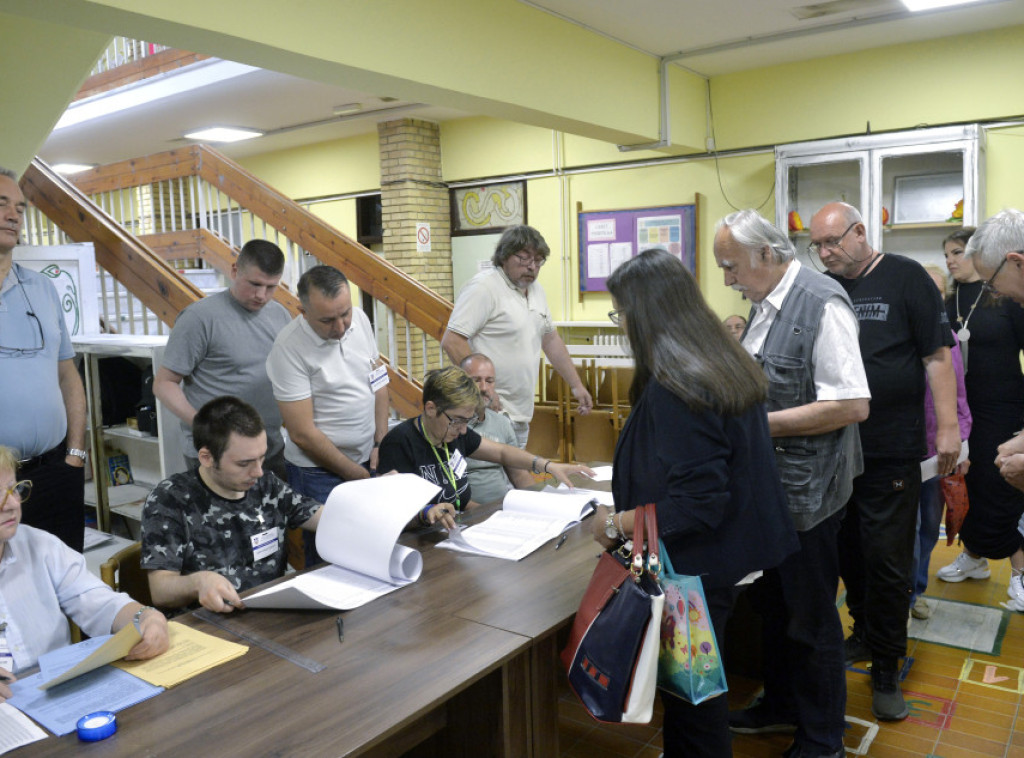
[865, 171]
[151, 458]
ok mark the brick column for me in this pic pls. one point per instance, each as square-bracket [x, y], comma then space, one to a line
[412, 192]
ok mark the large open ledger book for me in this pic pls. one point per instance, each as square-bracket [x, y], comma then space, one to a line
[358, 534]
[526, 521]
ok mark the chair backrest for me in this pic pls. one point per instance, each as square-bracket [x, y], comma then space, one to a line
[123, 572]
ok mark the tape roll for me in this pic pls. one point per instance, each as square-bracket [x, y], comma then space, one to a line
[96, 726]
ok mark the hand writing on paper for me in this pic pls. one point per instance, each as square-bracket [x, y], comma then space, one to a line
[215, 592]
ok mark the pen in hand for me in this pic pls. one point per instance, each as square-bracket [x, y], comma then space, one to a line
[341, 629]
[561, 540]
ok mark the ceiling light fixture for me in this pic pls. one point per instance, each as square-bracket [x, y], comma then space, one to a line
[72, 168]
[347, 109]
[223, 134]
[930, 5]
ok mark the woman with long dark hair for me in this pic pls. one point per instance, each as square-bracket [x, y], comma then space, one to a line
[991, 333]
[696, 444]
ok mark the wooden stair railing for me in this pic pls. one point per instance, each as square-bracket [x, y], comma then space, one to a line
[145, 272]
[160, 288]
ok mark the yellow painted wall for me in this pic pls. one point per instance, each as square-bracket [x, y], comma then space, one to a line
[1004, 167]
[337, 167]
[971, 77]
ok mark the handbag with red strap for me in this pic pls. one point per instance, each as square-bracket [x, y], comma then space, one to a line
[612, 655]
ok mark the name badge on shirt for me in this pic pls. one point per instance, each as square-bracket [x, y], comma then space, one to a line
[264, 544]
[458, 464]
[6, 659]
[379, 378]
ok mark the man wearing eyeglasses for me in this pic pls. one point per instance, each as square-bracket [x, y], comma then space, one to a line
[803, 332]
[331, 387]
[503, 312]
[904, 340]
[42, 401]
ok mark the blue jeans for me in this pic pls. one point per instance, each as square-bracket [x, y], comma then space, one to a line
[316, 483]
[929, 518]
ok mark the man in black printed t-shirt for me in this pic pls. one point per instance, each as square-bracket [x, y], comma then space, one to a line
[904, 342]
[218, 529]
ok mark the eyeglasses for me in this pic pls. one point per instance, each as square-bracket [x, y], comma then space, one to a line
[22, 489]
[615, 316]
[455, 423]
[31, 313]
[832, 244]
[525, 259]
[987, 284]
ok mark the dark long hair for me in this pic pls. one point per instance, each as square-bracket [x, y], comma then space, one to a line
[678, 340]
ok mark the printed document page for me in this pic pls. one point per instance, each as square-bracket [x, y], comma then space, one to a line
[358, 533]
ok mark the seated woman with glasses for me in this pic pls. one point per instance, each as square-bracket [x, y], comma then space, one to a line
[435, 445]
[42, 580]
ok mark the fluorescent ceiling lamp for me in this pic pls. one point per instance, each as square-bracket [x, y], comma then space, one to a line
[223, 134]
[72, 168]
[928, 5]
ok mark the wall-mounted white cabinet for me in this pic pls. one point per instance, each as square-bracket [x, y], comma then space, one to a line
[907, 185]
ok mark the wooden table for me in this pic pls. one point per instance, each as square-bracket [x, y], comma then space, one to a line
[465, 656]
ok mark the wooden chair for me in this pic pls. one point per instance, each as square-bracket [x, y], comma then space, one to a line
[123, 573]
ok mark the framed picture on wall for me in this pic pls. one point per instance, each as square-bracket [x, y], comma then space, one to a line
[487, 208]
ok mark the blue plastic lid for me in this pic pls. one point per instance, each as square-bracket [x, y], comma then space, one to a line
[96, 726]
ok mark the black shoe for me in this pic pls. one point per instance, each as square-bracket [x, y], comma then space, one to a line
[797, 751]
[760, 720]
[886, 697]
[855, 649]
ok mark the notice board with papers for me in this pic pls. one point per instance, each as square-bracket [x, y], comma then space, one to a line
[607, 239]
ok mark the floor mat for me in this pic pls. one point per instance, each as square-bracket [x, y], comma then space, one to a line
[962, 625]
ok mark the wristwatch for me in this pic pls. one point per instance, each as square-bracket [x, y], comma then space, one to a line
[137, 618]
[609, 528]
[79, 452]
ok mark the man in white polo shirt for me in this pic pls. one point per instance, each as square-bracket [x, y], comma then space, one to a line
[331, 388]
[503, 313]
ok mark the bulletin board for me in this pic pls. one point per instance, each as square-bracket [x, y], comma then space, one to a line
[608, 239]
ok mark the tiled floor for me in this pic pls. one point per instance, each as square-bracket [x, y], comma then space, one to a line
[952, 716]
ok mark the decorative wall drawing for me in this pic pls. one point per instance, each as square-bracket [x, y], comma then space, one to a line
[488, 207]
[72, 269]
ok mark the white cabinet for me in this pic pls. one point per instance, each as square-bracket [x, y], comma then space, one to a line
[151, 458]
[905, 184]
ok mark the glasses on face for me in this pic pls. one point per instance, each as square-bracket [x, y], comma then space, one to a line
[525, 259]
[987, 284]
[22, 489]
[455, 423]
[30, 349]
[615, 316]
[831, 244]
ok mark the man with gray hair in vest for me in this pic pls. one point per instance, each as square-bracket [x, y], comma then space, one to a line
[803, 331]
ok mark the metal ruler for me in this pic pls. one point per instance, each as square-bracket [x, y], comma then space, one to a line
[218, 620]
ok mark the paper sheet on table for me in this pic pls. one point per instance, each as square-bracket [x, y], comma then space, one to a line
[66, 663]
[59, 708]
[600, 497]
[602, 473]
[930, 466]
[191, 652]
[507, 535]
[358, 533]
[16, 729]
[95, 538]
[561, 502]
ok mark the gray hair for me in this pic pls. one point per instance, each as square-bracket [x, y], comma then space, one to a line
[754, 232]
[996, 236]
[8, 173]
[327, 280]
[516, 239]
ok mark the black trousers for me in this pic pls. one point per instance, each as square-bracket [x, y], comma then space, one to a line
[802, 639]
[692, 731]
[876, 552]
[57, 503]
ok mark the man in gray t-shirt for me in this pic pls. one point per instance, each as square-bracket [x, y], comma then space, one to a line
[219, 346]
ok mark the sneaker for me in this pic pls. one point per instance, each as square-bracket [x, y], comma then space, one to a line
[921, 609]
[760, 720]
[887, 703]
[1016, 592]
[964, 567]
[855, 649]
